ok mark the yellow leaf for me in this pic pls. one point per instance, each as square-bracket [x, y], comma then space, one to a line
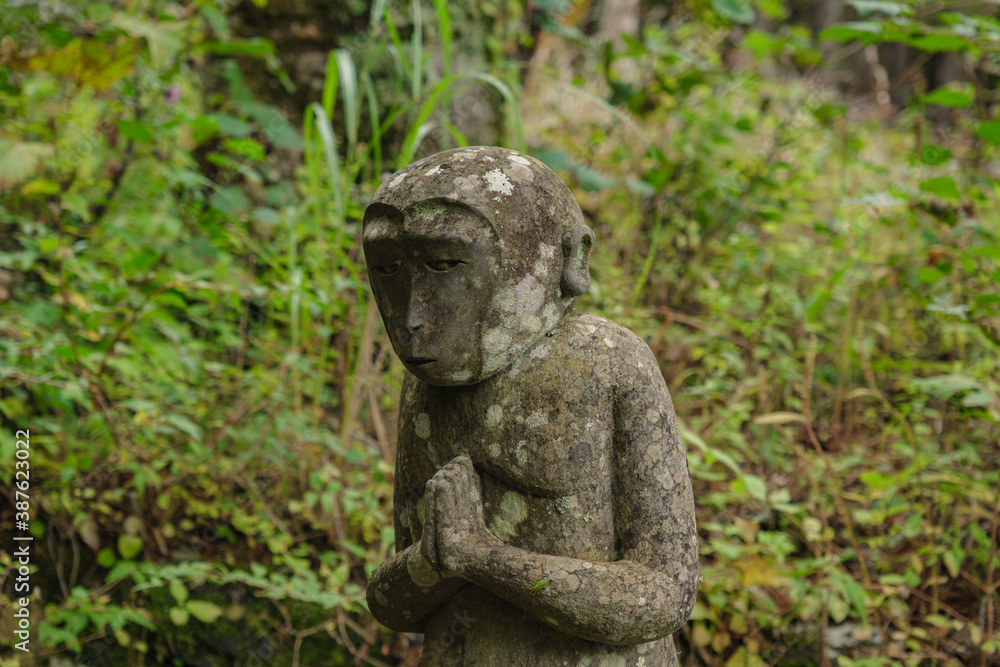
[19, 158]
[721, 641]
[759, 571]
[700, 635]
[780, 418]
[88, 62]
[41, 187]
[745, 658]
[738, 624]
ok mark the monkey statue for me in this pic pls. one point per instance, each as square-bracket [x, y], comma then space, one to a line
[543, 504]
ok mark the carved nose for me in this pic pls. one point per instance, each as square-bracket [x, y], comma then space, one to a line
[414, 318]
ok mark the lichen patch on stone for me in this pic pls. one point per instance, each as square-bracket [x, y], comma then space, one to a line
[513, 510]
[494, 415]
[398, 179]
[537, 419]
[422, 426]
[496, 341]
[497, 181]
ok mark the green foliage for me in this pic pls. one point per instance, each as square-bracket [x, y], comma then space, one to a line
[835, 367]
[185, 326]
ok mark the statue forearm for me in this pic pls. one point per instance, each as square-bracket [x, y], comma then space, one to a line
[405, 590]
[618, 602]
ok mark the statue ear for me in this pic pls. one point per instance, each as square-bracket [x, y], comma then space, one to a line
[576, 246]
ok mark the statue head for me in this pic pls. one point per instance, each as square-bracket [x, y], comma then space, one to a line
[473, 254]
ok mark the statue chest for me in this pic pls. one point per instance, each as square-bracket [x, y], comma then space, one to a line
[544, 438]
[545, 463]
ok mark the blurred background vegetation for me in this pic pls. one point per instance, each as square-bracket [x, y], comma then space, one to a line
[797, 207]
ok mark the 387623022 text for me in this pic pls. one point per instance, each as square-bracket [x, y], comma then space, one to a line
[22, 540]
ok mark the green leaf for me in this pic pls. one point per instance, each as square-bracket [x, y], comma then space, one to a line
[854, 592]
[230, 201]
[128, 546]
[185, 425]
[942, 187]
[247, 148]
[217, 21]
[204, 611]
[876, 480]
[106, 557]
[952, 561]
[945, 386]
[929, 275]
[40, 187]
[977, 399]
[229, 125]
[990, 132]
[756, 487]
[987, 302]
[99, 12]
[121, 570]
[141, 261]
[255, 47]
[934, 155]
[179, 591]
[136, 131]
[866, 31]
[49, 244]
[165, 38]
[866, 7]
[592, 181]
[178, 616]
[950, 97]
[734, 10]
[935, 43]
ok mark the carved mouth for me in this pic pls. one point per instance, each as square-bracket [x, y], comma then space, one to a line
[419, 361]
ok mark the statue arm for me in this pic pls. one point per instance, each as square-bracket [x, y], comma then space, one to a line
[647, 594]
[405, 590]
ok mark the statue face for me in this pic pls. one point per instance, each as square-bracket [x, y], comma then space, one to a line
[434, 274]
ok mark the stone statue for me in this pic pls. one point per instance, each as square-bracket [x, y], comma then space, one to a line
[543, 504]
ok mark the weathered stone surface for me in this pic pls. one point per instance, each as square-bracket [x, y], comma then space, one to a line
[543, 504]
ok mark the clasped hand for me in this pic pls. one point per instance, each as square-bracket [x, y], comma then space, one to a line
[453, 521]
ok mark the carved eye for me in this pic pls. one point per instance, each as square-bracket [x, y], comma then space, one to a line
[443, 265]
[388, 269]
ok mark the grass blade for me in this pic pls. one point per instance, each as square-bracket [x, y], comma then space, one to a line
[418, 45]
[376, 140]
[378, 8]
[399, 54]
[349, 94]
[330, 84]
[413, 143]
[329, 141]
[508, 95]
[444, 20]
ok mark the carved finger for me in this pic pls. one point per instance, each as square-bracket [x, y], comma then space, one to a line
[446, 516]
[428, 538]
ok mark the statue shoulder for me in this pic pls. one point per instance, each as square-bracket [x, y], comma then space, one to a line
[593, 333]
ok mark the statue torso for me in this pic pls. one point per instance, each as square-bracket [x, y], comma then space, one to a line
[542, 438]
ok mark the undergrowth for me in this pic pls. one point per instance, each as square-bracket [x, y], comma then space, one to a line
[186, 328]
